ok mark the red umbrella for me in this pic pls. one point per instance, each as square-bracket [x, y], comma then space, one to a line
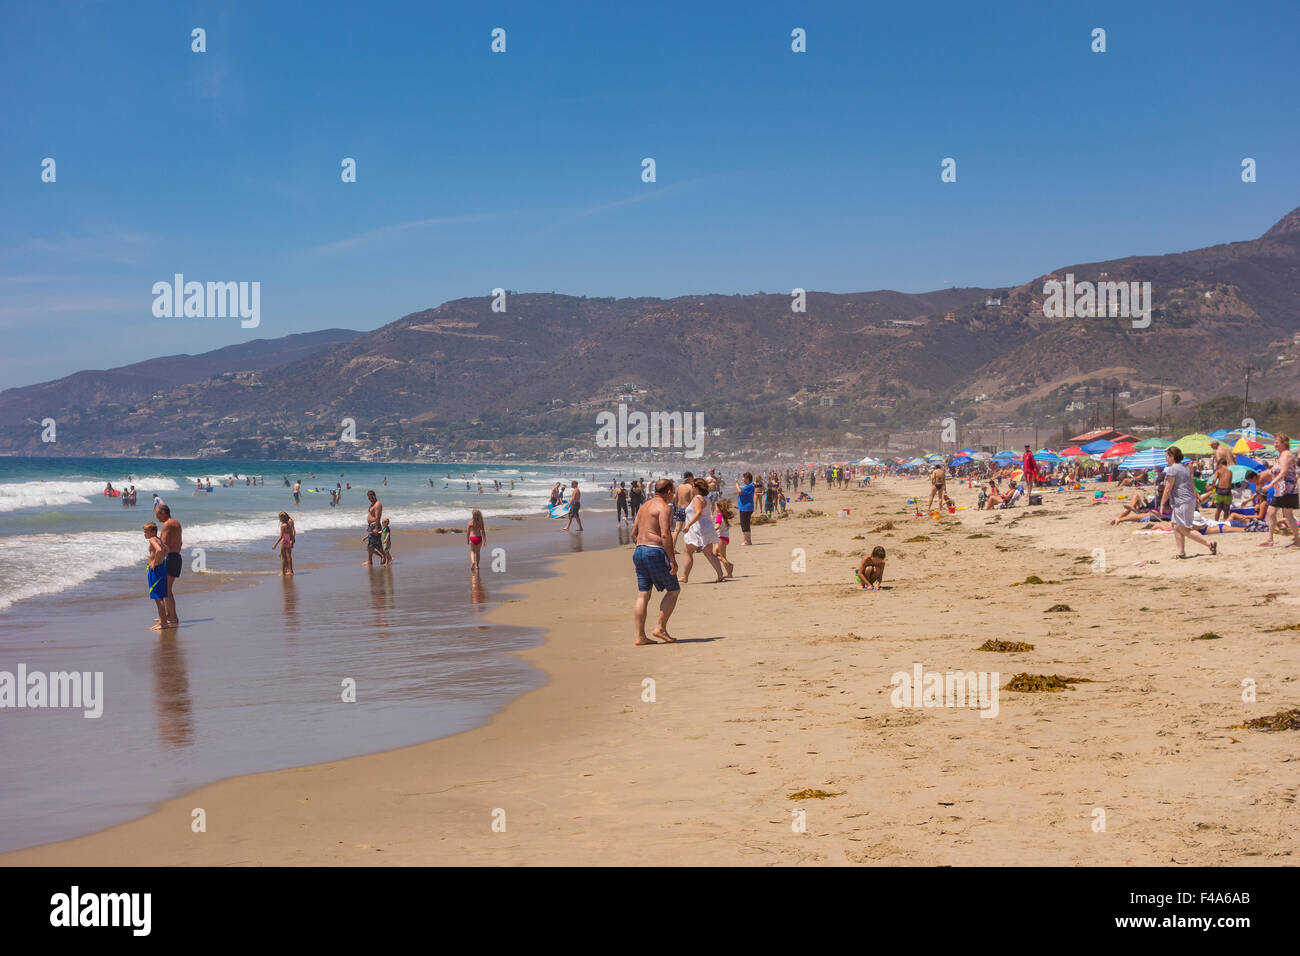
[1122, 450]
[1074, 451]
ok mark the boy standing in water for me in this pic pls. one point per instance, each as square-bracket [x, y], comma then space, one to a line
[386, 537]
[156, 575]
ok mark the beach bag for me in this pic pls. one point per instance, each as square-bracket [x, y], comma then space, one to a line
[1035, 499]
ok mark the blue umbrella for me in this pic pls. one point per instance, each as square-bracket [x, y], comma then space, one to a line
[1096, 447]
[1252, 463]
[1047, 455]
[1222, 433]
[961, 460]
[1146, 458]
[1006, 456]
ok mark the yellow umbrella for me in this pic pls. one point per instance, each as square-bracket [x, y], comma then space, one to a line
[1244, 447]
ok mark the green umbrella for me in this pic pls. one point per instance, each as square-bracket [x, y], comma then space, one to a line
[1152, 443]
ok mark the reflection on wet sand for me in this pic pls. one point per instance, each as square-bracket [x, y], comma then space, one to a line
[477, 593]
[171, 684]
[575, 542]
[290, 595]
[381, 593]
[624, 534]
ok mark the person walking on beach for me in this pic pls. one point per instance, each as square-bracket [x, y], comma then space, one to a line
[475, 537]
[700, 532]
[285, 542]
[373, 539]
[170, 533]
[575, 505]
[1286, 493]
[938, 485]
[722, 521]
[620, 500]
[156, 576]
[681, 498]
[635, 497]
[745, 504]
[655, 560]
[1180, 492]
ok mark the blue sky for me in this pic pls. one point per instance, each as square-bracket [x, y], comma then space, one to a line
[523, 169]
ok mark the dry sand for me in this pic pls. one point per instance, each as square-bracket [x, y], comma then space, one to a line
[783, 683]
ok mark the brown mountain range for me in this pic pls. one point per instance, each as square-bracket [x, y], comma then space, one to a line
[535, 374]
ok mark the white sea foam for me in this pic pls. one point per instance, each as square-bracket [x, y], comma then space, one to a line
[15, 496]
[70, 560]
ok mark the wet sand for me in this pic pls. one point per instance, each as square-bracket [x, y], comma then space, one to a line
[782, 683]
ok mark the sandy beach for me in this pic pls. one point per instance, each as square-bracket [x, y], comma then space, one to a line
[781, 683]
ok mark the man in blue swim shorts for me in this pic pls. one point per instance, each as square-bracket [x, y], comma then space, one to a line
[655, 559]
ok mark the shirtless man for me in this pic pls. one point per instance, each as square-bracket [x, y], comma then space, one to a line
[170, 532]
[374, 541]
[1222, 453]
[297, 491]
[681, 501]
[575, 505]
[655, 559]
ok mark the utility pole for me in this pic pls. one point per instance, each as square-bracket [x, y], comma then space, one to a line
[1245, 403]
[1160, 427]
[1112, 408]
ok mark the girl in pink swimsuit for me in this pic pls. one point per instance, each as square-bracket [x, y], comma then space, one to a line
[475, 536]
[285, 543]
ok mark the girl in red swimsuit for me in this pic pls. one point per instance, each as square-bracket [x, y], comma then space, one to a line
[476, 536]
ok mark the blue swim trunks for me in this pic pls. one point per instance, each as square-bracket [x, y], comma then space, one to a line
[652, 569]
[157, 578]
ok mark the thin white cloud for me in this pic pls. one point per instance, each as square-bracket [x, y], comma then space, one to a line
[125, 248]
[383, 232]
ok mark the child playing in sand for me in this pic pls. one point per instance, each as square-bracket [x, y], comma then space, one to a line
[156, 575]
[386, 537]
[285, 543]
[871, 572]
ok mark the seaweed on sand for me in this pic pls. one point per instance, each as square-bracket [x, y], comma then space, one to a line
[1037, 683]
[1005, 647]
[1282, 720]
[814, 795]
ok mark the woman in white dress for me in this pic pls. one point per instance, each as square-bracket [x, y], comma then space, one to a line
[700, 533]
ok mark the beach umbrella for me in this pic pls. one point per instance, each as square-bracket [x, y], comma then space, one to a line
[1046, 455]
[1194, 444]
[1074, 451]
[1223, 433]
[1121, 450]
[962, 460]
[1147, 458]
[981, 456]
[1253, 464]
[1097, 447]
[1245, 445]
[1152, 443]
[1005, 456]
[967, 451]
[1262, 435]
[1239, 472]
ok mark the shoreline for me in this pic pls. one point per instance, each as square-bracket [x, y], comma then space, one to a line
[782, 684]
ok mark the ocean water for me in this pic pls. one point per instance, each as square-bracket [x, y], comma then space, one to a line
[58, 532]
[251, 680]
